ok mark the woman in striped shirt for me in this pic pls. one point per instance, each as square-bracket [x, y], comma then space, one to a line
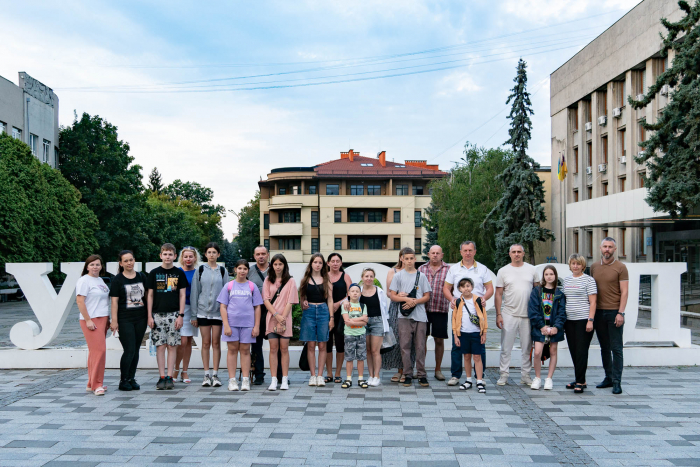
[580, 290]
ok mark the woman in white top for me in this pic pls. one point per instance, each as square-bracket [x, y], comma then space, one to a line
[189, 260]
[581, 292]
[92, 296]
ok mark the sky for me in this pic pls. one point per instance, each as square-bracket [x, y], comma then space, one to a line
[220, 93]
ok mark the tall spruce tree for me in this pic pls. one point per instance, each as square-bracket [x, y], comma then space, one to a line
[430, 222]
[518, 215]
[155, 183]
[671, 152]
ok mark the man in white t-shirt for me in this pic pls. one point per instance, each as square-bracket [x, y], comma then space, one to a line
[514, 284]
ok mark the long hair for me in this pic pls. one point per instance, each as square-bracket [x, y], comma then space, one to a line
[404, 250]
[543, 283]
[272, 276]
[196, 256]
[89, 260]
[339, 257]
[309, 271]
[121, 255]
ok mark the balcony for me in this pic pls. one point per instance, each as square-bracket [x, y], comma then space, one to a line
[371, 228]
[293, 229]
[293, 201]
[368, 202]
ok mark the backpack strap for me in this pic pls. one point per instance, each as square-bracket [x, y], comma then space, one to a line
[200, 270]
[222, 270]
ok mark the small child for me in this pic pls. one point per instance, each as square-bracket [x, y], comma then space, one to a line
[469, 326]
[355, 342]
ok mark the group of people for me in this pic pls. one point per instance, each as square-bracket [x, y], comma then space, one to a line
[362, 322]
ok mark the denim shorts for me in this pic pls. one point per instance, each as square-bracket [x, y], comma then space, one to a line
[375, 326]
[314, 323]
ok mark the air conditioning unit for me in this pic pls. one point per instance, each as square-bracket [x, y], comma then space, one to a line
[602, 167]
[665, 89]
[640, 97]
[602, 120]
[589, 171]
[623, 159]
[617, 112]
[589, 126]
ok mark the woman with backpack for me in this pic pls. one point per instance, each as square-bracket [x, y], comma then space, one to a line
[280, 295]
[240, 302]
[206, 286]
[129, 317]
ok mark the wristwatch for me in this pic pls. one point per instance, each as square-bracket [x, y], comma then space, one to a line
[623, 315]
[590, 319]
[182, 314]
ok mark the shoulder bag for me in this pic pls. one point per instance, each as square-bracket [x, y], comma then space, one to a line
[412, 294]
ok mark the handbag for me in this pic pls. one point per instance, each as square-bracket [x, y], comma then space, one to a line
[304, 359]
[278, 328]
[389, 343]
[412, 294]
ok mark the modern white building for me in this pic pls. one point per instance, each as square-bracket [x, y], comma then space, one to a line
[29, 112]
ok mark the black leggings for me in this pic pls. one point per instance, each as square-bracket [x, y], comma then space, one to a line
[131, 335]
[336, 335]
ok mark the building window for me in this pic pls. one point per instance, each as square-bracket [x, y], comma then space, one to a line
[312, 189]
[266, 244]
[332, 190]
[314, 218]
[337, 217]
[3, 127]
[575, 160]
[46, 155]
[576, 242]
[589, 190]
[639, 82]
[283, 191]
[286, 217]
[374, 243]
[314, 245]
[397, 244]
[622, 184]
[605, 188]
[623, 242]
[604, 149]
[417, 219]
[590, 243]
[641, 180]
[16, 133]
[417, 190]
[589, 155]
[338, 244]
[33, 142]
[642, 133]
[290, 243]
[620, 87]
[295, 190]
[587, 114]
[605, 233]
[397, 217]
[401, 190]
[374, 190]
[367, 165]
[641, 242]
[417, 245]
[266, 221]
[374, 216]
[603, 103]
[357, 190]
[356, 216]
[575, 196]
[574, 118]
[357, 244]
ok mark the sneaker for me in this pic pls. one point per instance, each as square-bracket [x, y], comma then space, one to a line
[320, 381]
[453, 381]
[206, 382]
[160, 384]
[124, 385]
[548, 384]
[408, 381]
[245, 384]
[169, 384]
[232, 384]
[273, 384]
[423, 382]
[375, 382]
[285, 383]
[312, 381]
[134, 385]
[536, 384]
[215, 381]
[526, 380]
[503, 380]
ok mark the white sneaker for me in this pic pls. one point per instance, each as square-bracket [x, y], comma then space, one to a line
[503, 380]
[245, 385]
[320, 381]
[376, 382]
[232, 384]
[312, 381]
[206, 381]
[273, 384]
[453, 381]
[215, 381]
[526, 380]
[285, 383]
[548, 384]
[536, 384]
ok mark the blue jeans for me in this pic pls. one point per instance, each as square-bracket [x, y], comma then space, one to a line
[314, 323]
[457, 364]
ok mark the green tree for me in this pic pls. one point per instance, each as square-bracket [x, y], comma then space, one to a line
[98, 164]
[519, 214]
[248, 236]
[198, 194]
[430, 222]
[671, 152]
[41, 216]
[229, 253]
[155, 183]
[173, 221]
[463, 200]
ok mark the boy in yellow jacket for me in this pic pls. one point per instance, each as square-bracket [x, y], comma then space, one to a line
[469, 325]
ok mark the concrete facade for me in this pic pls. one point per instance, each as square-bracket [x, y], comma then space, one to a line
[29, 112]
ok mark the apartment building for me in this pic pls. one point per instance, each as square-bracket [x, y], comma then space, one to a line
[365, 208]
[597, 130]
[29, 112]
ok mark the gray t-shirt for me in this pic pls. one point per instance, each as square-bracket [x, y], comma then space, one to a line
[254, 276]
[404, 282]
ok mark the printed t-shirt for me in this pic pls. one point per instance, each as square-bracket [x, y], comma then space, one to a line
[288, 294]
[166, 285]
[404, 282]
[188, 290]
[240, 303]
[357, 310]
[607, 278]
[131, 294]
[517, 287]
[96, 295]
[468, 310]
[577, 290]
[547, 303]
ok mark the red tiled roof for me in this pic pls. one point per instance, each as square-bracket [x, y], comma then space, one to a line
[347, 168]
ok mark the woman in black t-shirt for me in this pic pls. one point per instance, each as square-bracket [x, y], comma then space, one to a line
[129, 316]
[341, 282]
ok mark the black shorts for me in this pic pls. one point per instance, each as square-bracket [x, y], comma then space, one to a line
[437, 325]
[209, 322]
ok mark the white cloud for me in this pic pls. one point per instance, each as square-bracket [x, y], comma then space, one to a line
[458, 82]
[543, 11]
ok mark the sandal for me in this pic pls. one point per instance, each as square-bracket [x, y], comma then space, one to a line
[328, 379]
[396, 378]
[185, 379]
[466, 385]
[481, 387]
[578, 389]
[572, 385]
[363, 384]
[402, 379]
[346, 384]
[337, 380]
[175, 373]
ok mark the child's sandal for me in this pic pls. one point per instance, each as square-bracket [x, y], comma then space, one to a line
[363, 384]
[346, 384]
[481, 387]
[466, 385]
